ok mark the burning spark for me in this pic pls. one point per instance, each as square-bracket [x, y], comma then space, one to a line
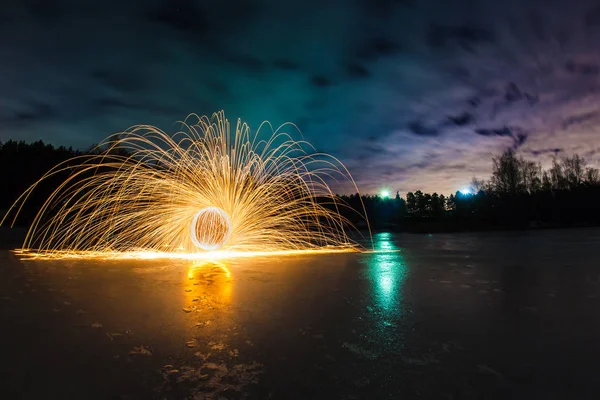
[202, 193]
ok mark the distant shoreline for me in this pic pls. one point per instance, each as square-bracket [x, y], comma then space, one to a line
[426, 226]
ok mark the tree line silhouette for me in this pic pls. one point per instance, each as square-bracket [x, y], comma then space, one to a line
[519, 194]
[21, 165]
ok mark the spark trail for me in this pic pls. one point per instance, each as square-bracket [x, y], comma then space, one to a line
[204, 192]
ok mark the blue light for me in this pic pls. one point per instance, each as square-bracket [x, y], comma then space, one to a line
[466, 191]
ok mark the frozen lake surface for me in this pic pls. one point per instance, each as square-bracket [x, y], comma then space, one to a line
[450, 316]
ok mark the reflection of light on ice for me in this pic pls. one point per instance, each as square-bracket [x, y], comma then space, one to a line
[198, 266]
[386, 283]
[383, 242]
[211, 288]
[387, 271]
[152, 255]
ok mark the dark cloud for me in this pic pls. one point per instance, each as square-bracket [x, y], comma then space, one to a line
[218, 87]
[591, 153]
[459, 72]
[520, 139]
[314, 104]
[474, 101]
[579, 119]
[113, 103]
[396, 169]
[582, 68]
[184, 16]
[246, 61]
[45, 11]
[532, 100]
[518, 135]
[446, 168]
[374, 148]
[419, 128]
[383, 8]
[465, 36]
[592, 16]
[377, 47]
[512, 93]
[357, 71]
[538, 26]
[462, 119]
[120, 79]
[320, 81]
[285, 65]
[544, 151]
[200, 22]
[505, 131]
[34, 111]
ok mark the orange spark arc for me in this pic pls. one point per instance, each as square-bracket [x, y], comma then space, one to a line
[202, 193]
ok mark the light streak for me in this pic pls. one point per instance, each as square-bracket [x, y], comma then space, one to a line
[157, 255]
[145, 194]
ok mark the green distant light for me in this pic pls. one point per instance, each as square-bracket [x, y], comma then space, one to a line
[385, 194]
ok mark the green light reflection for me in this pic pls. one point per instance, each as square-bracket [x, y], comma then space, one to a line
[387, 271]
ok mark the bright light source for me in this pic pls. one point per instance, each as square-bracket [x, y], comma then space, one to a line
[210, 228]
[466, 191]
[385, 194]
[213, 188]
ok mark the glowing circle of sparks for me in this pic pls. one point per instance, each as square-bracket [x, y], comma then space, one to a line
[136, 195]
[210, 228]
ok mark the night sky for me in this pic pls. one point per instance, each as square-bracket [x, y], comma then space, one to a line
[408, 94]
